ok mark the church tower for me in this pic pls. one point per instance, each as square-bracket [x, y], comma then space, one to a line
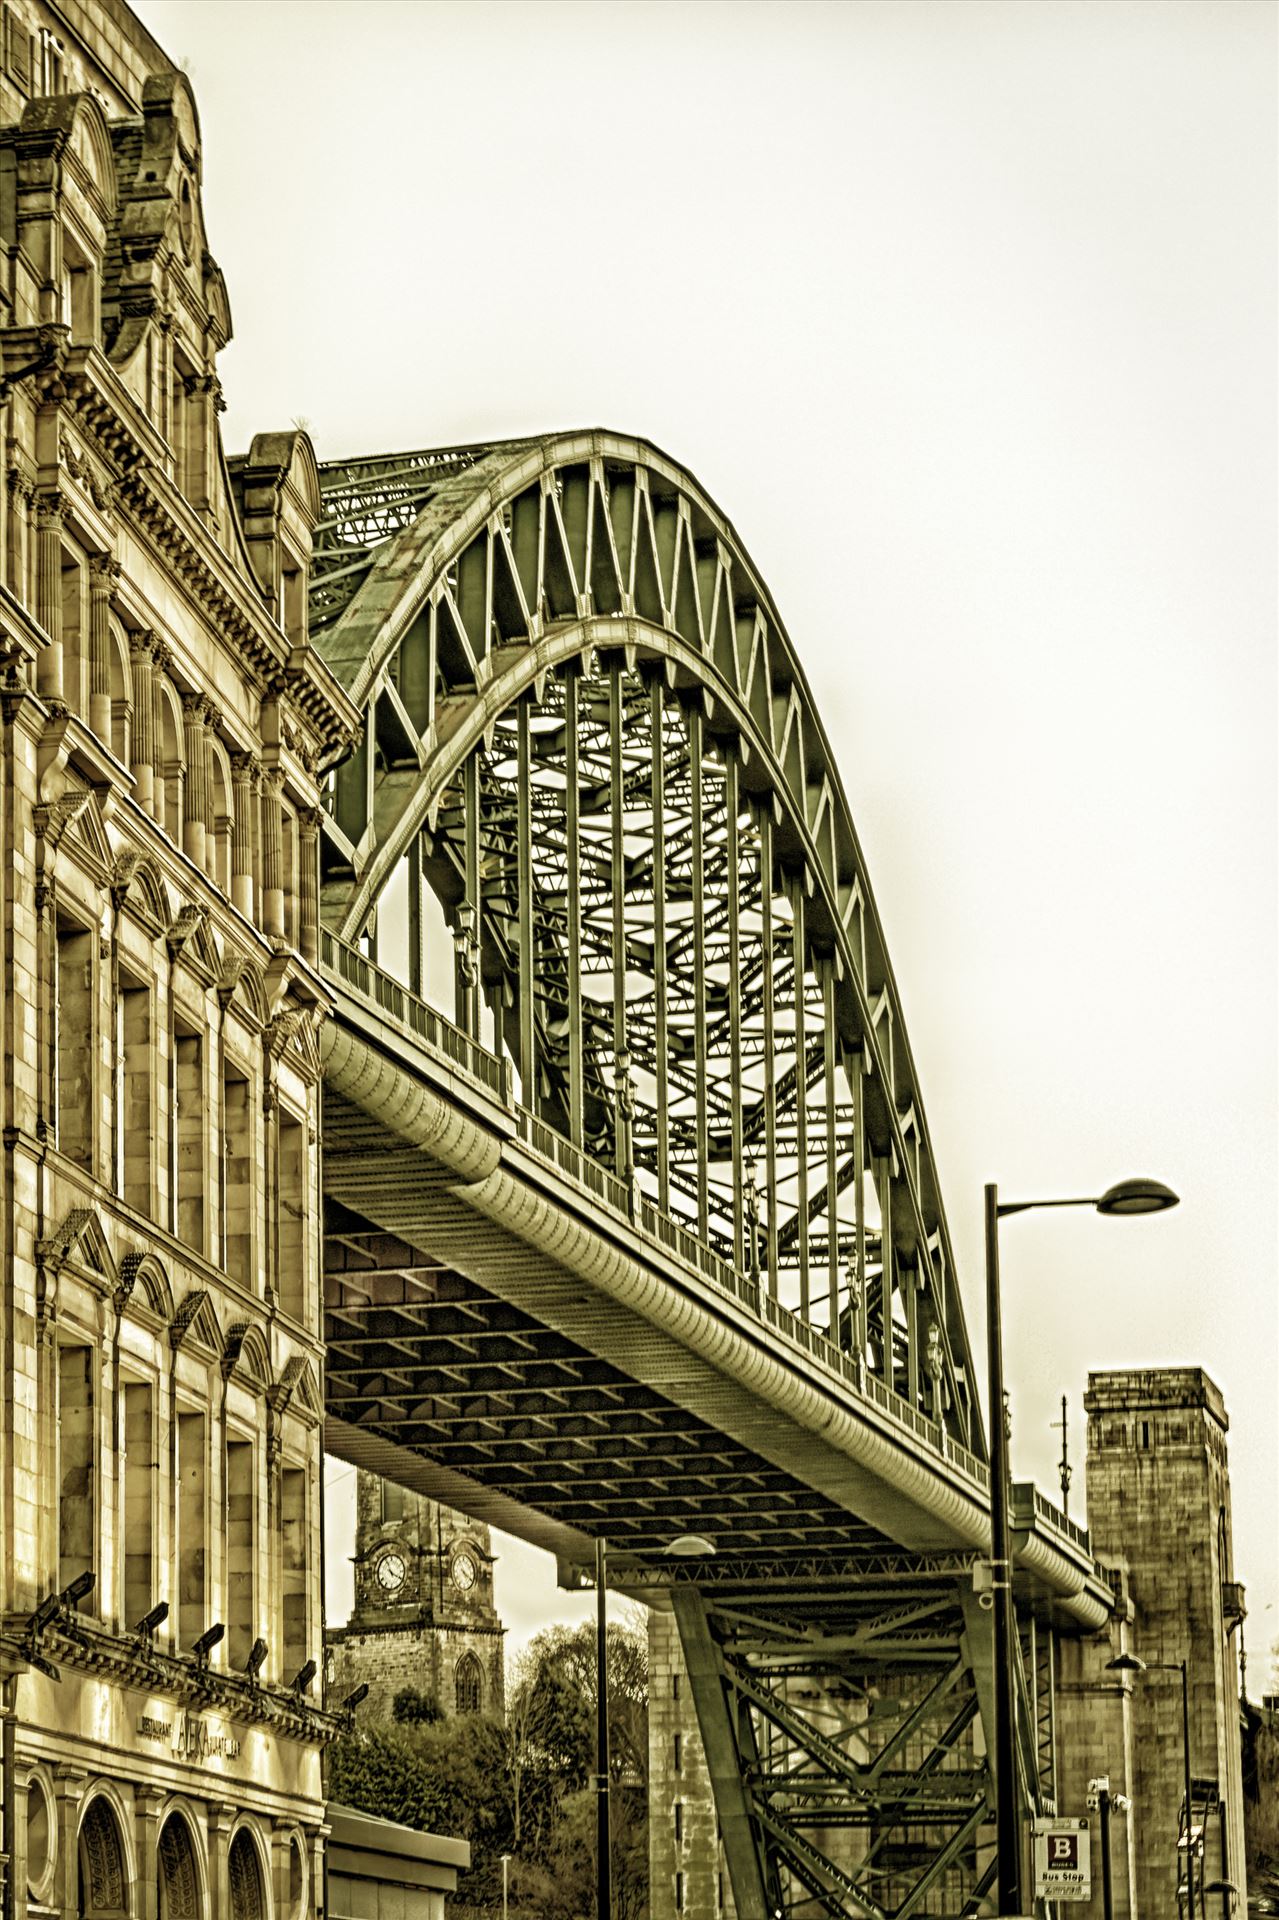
[424, 1615]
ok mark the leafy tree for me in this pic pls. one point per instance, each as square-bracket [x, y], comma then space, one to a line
[411, 1707]
[524, 1788]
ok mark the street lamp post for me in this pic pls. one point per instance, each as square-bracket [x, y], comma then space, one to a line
[1130, 1196]
[603, 1862]
[1129, 1663]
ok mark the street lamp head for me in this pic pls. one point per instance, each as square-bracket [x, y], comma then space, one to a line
[689, 1546]
[1137, 1196]
[1125, 1663]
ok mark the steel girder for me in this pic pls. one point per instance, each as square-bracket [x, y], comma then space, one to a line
[595, 818]
[590, 748]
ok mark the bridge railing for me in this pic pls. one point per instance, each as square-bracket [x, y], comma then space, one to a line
[412, 1012]
[409, 1011]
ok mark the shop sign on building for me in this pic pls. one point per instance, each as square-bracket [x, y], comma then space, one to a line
[1062, 1868]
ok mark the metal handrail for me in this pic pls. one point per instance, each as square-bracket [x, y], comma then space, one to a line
[411, 1012]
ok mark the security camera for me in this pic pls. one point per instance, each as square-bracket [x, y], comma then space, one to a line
[76, 1590]
[209, 1639]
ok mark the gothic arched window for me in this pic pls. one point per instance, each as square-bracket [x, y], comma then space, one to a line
[468, 1684]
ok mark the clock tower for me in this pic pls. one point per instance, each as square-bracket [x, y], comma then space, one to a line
[424, 1615]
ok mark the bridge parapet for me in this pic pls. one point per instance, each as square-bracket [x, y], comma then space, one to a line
[1053, 1552]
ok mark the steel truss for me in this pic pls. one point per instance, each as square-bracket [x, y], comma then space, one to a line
[594, 818]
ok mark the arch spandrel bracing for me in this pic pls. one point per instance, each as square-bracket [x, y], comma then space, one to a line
[633, 1227]
[587, 733]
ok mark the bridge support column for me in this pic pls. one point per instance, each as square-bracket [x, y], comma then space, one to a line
[716, 1720]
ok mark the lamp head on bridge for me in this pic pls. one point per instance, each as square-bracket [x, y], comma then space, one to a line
[689, 1546]
[155, 1617]
[303, 1677]
[1125, 1663]
[356, 1695]
[257, 1658]
[1137, 1196]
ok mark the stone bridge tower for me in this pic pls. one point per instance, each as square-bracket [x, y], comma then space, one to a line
[166, 726]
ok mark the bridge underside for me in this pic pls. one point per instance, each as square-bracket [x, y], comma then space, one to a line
[829, 1666]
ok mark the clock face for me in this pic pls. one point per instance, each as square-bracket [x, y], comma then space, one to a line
[464, 1571]
[390, 1572]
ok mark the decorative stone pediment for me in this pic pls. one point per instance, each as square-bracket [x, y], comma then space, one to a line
[144, 1283]
[79, 1242]
[242, 982]
[140, 886]
[196, 1324]
[294, 1035]
[191, 938]
[246, 1356]
[296, 1391]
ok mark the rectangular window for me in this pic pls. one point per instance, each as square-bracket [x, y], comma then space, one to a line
[241, 1543]
[394, 1501]
[193, 1608]
[674, 1686]
[73, 1044]
[238, 1191]
[77, 1510]
[678, 1753]
[291, 1198]
[294, 1569]
[135, 1103]
[190, 1123]
[679, 1893]
[139, 1494]
[679, 1821]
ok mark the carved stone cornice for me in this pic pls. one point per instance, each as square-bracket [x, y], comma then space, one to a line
[130, 1660]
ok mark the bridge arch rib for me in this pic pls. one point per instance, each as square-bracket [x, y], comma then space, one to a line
[587, 734]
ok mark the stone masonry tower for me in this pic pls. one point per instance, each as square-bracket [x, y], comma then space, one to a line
[424, 1615]
[1159, 1506]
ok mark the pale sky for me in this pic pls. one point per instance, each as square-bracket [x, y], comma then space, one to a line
[965, 314]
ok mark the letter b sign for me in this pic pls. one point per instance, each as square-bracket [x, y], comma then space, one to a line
[1063, 1850]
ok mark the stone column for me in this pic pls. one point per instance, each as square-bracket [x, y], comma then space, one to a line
[309, 819]
[104, 576]
[221, 1818]
[69, 1783]
[147, 1802]
[49, 592]
[17, 533]
[272, 855]
[195, 793]
[161, 661]
[245, 772]
[142, 738]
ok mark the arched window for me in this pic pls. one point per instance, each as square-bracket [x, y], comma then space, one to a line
[103, 1874]
[244, 1873]
[468, 1684]
[178, 1874]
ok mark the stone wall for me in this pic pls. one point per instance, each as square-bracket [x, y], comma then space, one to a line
[687, 1875]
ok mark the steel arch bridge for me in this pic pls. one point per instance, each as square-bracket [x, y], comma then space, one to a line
[633, 1227]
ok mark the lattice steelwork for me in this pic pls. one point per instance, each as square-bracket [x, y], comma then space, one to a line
[595, 819]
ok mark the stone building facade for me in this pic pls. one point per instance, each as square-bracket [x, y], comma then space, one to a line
[165, 729]
[424, 1613]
